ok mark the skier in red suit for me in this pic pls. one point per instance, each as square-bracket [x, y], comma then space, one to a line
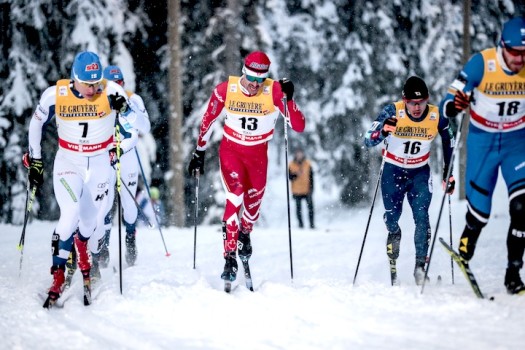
[251, 105]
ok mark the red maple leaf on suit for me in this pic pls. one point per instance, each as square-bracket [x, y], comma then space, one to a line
[232, 227]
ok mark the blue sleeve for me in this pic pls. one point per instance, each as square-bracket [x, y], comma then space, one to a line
[467, 80]
[447, 139]
[374, 136]
[472, 72]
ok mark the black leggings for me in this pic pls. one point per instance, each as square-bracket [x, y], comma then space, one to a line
[299, 211]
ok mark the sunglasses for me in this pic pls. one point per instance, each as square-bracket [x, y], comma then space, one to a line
[412, 103]
[255, 79]
[89, 84]
[514, 52]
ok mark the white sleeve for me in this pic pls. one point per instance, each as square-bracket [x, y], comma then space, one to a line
[132, 135]
[142, 122]
[44, 112]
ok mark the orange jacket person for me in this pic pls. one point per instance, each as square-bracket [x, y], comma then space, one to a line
[302, 177]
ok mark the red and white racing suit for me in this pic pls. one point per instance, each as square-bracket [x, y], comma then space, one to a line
[243, 153]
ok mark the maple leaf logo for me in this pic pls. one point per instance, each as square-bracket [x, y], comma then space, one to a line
[232, 227]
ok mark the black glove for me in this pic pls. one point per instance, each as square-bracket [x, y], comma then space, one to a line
[461, 101]
[389, 125]
[118, 103]
[287, 88]
[36, 172]
[197, 163]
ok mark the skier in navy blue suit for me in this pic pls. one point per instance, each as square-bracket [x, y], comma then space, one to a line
[409, 125]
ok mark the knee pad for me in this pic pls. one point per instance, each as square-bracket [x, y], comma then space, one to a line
[517, 213]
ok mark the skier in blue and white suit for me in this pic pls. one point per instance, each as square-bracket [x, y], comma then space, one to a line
[129, 174]
[86, 110]
[492, 83]
[410, 126]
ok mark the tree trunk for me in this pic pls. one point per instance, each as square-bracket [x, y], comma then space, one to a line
[465, 120]
[176, 208]
[232, 40]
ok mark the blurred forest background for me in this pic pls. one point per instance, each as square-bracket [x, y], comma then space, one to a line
[347, 59]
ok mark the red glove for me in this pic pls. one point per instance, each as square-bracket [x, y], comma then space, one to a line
[461, 100]
[451, 185]
[26, 161]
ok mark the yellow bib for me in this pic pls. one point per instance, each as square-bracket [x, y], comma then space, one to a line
[70, 107]
[409, 145]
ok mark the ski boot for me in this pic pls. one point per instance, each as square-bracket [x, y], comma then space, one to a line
[56, 287]
[419, 273]
[83, 255]
[467, 242]
[230, 271]
[513, 281]
[230, 267]
[244, 246]
[103, 255]
[131, 248]
[85, 266]
[71, 267]
[95, 268]
[393, 242]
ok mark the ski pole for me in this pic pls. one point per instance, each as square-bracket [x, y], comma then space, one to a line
[371, 210]
[197, 175]
[450, 226]
[141, 211]
[30, 197]
[119, 202]
[285, 109]
[449, 173]
[151, 202]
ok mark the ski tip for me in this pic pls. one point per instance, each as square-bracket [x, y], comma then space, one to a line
[491, 298]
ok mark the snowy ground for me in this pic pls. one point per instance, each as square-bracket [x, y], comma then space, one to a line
[166, 304]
